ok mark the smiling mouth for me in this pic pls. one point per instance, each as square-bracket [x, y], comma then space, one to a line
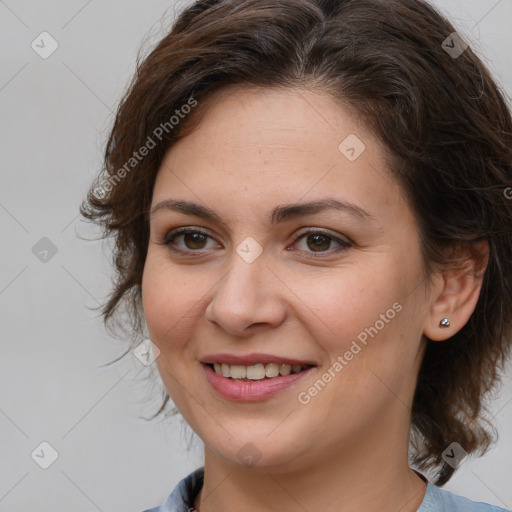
[257, 371]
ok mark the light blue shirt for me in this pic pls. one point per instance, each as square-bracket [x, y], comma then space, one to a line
[184, 494]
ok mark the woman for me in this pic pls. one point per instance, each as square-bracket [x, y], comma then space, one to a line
[309, 202]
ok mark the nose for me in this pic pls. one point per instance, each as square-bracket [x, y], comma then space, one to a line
[249, 297]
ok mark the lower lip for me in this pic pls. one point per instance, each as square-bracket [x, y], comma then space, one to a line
[248, 391]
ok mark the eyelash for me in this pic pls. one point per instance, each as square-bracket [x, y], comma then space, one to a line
[167, 240]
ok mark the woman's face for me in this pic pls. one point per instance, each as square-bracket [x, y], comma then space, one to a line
[339, 288]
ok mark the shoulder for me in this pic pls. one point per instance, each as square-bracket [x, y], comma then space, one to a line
[183, 495]
[440, 500]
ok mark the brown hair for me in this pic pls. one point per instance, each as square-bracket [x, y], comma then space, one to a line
[445, 124]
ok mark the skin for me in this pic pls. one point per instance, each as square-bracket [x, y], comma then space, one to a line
[347, 449]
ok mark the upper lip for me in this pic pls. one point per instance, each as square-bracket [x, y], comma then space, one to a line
[252, 359]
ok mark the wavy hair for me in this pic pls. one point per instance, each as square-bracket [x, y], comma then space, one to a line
[448, 133]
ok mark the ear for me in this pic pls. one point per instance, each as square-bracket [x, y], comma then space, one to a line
[455, 293]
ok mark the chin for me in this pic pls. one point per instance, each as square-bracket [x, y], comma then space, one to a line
[258, 455]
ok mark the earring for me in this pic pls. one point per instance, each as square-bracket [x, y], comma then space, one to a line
[444, 323]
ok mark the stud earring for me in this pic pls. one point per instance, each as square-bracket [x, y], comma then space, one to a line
[444, 323]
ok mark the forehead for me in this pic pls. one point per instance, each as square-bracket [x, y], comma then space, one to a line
[276, 145]
[247, 116]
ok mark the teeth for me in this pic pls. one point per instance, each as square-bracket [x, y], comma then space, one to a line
[239, 371]
[286, 369]
[272, 370]
[256, 371]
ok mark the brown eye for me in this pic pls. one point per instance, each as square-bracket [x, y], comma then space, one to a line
[192, 240]
[320, 242]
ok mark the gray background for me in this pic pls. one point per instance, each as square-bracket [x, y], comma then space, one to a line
[54, 118]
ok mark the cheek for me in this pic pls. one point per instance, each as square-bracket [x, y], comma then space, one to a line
[165, 301]
[169, 314]
[361, 321]
[342, 305]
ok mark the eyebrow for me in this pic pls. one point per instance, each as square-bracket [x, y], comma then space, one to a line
[279, 214]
